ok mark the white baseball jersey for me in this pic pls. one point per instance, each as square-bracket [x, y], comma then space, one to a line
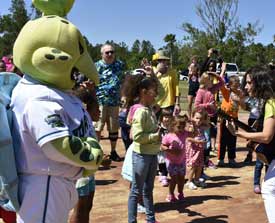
[40, 115]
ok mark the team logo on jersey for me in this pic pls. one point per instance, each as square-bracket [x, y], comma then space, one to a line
[54, 121]
[83, 128]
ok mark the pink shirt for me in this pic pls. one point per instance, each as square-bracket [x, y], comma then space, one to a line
[205, 97]
[173, 140]
[132, 111]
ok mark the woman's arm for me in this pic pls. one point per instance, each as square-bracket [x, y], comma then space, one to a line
[262, 137]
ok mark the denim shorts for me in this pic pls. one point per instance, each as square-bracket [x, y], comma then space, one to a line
[88, 188]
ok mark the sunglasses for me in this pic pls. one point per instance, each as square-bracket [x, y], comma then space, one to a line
[109, 52]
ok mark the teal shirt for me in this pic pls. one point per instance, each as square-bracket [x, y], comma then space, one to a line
[144, 131]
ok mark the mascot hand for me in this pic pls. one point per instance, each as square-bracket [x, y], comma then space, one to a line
[82, 152]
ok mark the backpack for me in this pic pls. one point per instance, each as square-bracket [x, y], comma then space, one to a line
[8, 173]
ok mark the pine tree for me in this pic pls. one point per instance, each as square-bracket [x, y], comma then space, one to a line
[11, 24]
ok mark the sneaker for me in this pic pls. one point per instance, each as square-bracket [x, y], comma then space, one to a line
[141, 209]
[115, 157]
[205, 177]
[221, 163]
[201, 179]
[257, 189]
[200, 184]
[211, 165]
[232, 163]
[180, 197]
[171, 198]
[164, 181]
[191, 186]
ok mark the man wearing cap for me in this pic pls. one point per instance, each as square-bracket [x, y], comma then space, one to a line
[168, 78]
[110, 73]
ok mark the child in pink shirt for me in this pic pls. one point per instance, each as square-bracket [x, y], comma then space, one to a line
[195, 143]
[205, 98]
[174, 146]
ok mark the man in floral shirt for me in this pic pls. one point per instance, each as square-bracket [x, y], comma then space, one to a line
[108, 93]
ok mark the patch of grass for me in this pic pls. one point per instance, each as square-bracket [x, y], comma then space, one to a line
[183, 88]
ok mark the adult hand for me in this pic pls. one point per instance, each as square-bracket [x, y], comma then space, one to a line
[240, 133]
[88, 85]
[177, 110]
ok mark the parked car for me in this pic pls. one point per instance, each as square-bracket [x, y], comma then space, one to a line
[183, 75]
[232, 69]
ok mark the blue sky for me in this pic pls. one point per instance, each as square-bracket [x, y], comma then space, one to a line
[128, 20]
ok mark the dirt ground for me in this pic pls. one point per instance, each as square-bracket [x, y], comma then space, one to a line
[228, 197]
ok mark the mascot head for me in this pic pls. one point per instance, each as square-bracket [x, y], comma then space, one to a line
[50, 49]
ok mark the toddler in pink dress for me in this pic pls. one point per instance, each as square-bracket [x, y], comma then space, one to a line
[174, 146]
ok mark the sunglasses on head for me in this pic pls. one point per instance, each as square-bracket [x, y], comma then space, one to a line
[109, 52]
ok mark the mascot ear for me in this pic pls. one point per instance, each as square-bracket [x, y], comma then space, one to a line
[54, 7]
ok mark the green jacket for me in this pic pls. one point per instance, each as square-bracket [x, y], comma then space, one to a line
[144, 132]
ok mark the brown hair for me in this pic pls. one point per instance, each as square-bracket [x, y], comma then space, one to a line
[177, 120]
[165, 112]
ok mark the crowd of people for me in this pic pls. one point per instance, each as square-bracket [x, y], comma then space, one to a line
[161, 139]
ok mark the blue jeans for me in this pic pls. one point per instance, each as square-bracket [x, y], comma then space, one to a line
[144, 172]
[125, 129]
[258, 171]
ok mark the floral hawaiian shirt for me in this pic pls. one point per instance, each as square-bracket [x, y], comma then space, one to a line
[110, 77]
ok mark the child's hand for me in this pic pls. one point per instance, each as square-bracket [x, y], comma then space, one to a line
[211, 105]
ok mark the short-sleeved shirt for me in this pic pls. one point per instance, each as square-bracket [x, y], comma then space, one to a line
[169, 140]
[269, 109]
[170, 85]
[229, 105]
[41, 115]
[110, 77]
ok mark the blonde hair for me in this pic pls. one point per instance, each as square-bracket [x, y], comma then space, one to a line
[205, 77]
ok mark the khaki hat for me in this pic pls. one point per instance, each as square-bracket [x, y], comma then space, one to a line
[160, 56]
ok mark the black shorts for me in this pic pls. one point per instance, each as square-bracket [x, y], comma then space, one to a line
[193, 88]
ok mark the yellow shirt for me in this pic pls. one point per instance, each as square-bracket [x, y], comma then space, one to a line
[269, 109]
[170, 85]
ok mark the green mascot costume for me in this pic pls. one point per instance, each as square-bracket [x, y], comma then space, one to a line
[52, 132]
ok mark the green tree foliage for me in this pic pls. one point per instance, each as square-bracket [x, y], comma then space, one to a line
[222, 30]
[219, 17]
[11, 24]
